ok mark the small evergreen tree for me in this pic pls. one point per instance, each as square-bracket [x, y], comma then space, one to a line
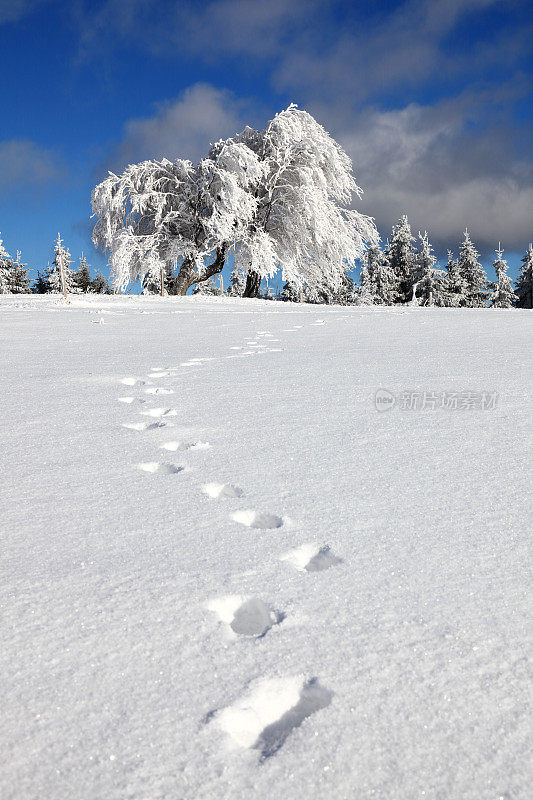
[429, 280]
[237, 283]
[401, 256]
[473, 274]
[18, 279]
[382, 282]
[524, 284]
[40, 284]
[5, 270]
[99, 285]
[502, 295]
[208, 287]
[453, 285]
[82, 277]
[346, 294]
[364, 292]
[291, 293]
[60, 271]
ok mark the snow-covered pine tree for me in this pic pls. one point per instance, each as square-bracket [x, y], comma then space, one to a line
[453, 285]
[237, 283]
[501, 290]
[363, 294]
[401, 256]
[429, 280]
[472, 272]
[524, 284]
[99, 285]
[346, 295]
[382, 282]
[18, 279]
[82, 278]
[61, 277]
[208, 287]
[40, 284]
[292, 293]
[5, 269]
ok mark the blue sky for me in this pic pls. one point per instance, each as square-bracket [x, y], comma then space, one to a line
[432, 100]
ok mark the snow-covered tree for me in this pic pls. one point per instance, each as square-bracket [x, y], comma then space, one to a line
[429, 280]
[363, 294]
[473, 274]
[208, 287]
[237, 283]
[292, 293]
[5, 269]
[40, 285]
[277, 198]
[301, 224]
[524, 284]
[381, 284]
[18, 278]
[155, 273]
[402, 258]
[501, 290]
[99, 285]
[173, 211]
[82, 277]
[61, 277]
[454, 286]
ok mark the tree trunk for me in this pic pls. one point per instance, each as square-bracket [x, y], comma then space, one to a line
[62, 273]
[253, 282]
[188, 276]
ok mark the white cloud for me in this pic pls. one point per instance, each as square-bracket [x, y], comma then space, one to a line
[183, 128]
[444, 170]
[25, 163]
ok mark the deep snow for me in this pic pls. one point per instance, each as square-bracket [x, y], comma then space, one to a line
[227, 575]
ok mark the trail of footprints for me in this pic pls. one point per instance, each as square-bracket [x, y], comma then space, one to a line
[271, 708]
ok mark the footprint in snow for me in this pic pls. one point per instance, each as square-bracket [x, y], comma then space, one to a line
[158, 390]
[162, 469]
[312, 557]
[246, 616]
[257, 519]
[144, 426]
[222, 490]
[159, 412]
[272, 708]
[132, 381]
[174, 446]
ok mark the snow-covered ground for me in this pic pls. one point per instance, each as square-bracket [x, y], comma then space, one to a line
[227, 575]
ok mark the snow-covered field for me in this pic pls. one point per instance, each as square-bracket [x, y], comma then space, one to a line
[227, 575]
